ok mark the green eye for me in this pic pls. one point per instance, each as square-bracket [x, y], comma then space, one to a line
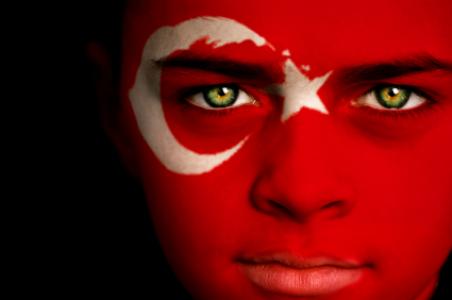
[220, 96]
[392, 96]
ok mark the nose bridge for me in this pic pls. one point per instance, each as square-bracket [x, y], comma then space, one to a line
[309, 145]
[301, 175]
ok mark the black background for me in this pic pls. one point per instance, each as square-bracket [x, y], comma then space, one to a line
[81, 226]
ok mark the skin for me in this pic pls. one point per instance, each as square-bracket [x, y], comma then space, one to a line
[355, 183]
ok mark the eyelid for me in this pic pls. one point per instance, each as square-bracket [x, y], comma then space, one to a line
[196, 97]
[416, 99]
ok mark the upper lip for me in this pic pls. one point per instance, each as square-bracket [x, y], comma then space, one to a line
[297, 262]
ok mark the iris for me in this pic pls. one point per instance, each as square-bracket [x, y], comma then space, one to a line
[392, 96]
[220, 96]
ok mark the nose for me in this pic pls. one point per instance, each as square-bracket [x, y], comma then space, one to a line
[304, 176]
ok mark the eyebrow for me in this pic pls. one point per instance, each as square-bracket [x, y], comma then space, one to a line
[228, 67]
[396, 68]
[353, 74]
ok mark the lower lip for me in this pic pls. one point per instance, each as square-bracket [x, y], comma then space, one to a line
[301, 282]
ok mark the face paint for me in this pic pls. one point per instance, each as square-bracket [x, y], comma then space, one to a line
[332, 195]
[146, 99]
[299, 92]
[145, 95]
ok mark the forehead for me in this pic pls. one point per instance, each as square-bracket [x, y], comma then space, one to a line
[323, 33]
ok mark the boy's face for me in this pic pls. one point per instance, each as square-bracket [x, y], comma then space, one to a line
[295, 148]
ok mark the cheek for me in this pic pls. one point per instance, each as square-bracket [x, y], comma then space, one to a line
[207, 217]
[405, 200]
[202, 211]
[202, 221]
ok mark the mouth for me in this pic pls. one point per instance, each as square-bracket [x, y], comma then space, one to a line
[293, 276]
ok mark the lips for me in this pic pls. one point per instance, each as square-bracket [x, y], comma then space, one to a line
[292, 276]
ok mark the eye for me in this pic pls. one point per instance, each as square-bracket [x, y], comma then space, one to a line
[390, 97]
[221, 97]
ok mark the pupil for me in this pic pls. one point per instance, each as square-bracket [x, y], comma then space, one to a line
[393, 92]
[223, 91]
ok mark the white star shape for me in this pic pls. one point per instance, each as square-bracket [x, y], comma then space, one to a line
[299, 91]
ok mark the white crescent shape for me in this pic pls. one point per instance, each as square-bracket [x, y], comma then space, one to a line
[145, 94]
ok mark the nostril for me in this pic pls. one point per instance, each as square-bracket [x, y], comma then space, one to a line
[272, 206]
[335, 208]
[278, 206]
[333, 204]
[273, 196]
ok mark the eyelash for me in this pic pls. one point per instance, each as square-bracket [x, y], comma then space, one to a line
[398, 113]
[190, 92]
[393, 114]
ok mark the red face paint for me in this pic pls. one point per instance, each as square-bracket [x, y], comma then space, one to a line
[353, 204]
[209, 131]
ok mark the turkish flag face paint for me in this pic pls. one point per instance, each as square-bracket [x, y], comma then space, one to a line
[295, 149]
